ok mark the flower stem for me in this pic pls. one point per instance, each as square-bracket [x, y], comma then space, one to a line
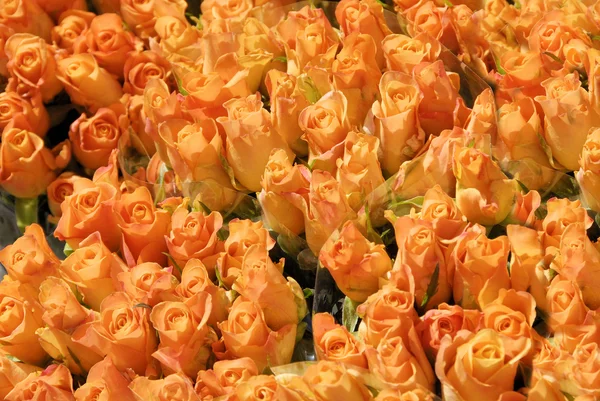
[26, 210]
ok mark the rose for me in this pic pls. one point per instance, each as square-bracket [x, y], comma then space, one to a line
[27, 167]
[438, 208]
[224, 377]
[242, 235]
[237, 10]
[483, 193]
[403, 53]
[87, 83]
[565, 96]
[26, 16]
[325, 125]
[250, 139]
[287, 28]
[7, 32]
[525, 208]
[54, 383]
[333, 342]
[176, 34]
[316, 46]
[32, 109]
[185, 337]
[480, 267]
[587, 175]
[139, 68]
[355, 263]
[479, 366]
[141, 140]
[20, 317]
[141, 15]
[246, 334]
[446, 320]
[330, 381]
[568, 337]
[261, 281]
[279, 179]
[123, 333]
[12, 373]
[55, 8]
[193, 235]
[72, 26]
[482, 120]
[148, 283]
[63, 186]
[525, 71]
[400, 395]
[561, 214]
[31, 62]
[176, 385]
[104, 380]
[550, 34]
[93, 270]
[30, 259]
[565, 304]
[260, 387]
[585, 377]
[398, 107]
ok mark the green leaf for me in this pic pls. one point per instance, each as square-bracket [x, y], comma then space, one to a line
[195, 19]
[223, 234]
[402, 208]
[349, 316]
[307, 86]
[308, 292]
[76, 360]
[175, 264]
[553, 57]
[499, 68]
[142, 305]
[568, 396]
[67, 250]
[199, 205]
[26, 210]
[300, 330]
[448, 3]
[432, 287]
[227, 167]
[13, 358]
[523, 186]
[180, 85]
[219, 278]
[517, 4]
[282, 59]
[291, 245]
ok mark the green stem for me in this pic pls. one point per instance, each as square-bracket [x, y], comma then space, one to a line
[26, 210]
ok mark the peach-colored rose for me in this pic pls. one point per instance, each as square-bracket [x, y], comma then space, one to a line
[242, 235]
[94, 138]
[524, 72]
[54, 383]
[250, 139]
[585, 377]
[5, 33]
[141, 15]
[446, 320]
[478, 366]
[355, 263]
[551, 34]
[246, 334]
[139, 68]
[315, 46]
[55, 8]
[395, 120]
[223, 378]
[562, 213]
[418, 394]
[483, 119]
[439, 209]
[261, 387]
[20, 317]
[588, 175]
[287, 28]
[483, 193]
[144, 227]
[176, 35]
[32, 109]
[27, 167]
[570, 337]
[565, 304]
[403, 53]
[148, 283]
[194, 236]
[123, 333]
[136, 115]
[63, 186]
[185, 337]
[480, 267]
[566, 99]
[334, 343]
[105, 381]
[175, 385]
[422, 252]
[93, 270]
[237, 10]
[29, 259]
[87, 83]
[12, 373]
[72, 25]
[31, 62]
[26, 16]
[331, 381]
[524, 209]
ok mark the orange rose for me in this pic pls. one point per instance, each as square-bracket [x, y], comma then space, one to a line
[333, 381]
[585, 377]
[176, 35]
[561, 214]
[194, 236]
[287, 28]
[31, 62]
[94, 138]
[185, 337]
[550, 34]
[144, 227]
[478, 366]
[32, 109]
[140, 67]
[148, 283]
[87, 83]
[248, 129]
[565, 97]
[104, 380]
[141, 140]
[224, 377]
[403, 53]
[246, 334]
[443, 321]
[27, 167]
[123, 333]
[176, 385]
[565, 304]
[13, 373]
[334, 343]
[524, 72]
[237, 10]
[5, 33]
[279, 179]
[401, 395]
[589, 172]
[55, 8]
[72, 26]
[65, 185]
[54, 383]
[29, 259]
[355, 263]
[242, 235]
[397, 108]
[26, 16]
[315, 46]
[483, 193]
[438, 208]
[480, 265]
[20, 317]
[524, 209]
[482, 120]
